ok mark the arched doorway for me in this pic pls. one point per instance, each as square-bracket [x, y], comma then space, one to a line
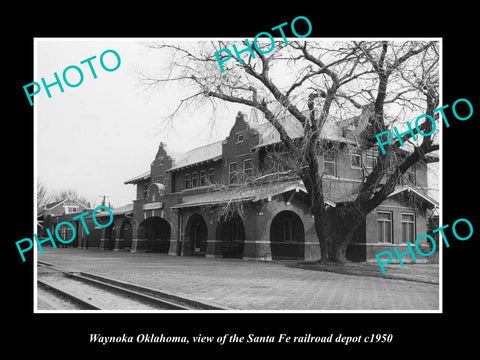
[156, 232]
[110, 237]
[287, 236]
[126, 234]
[196, 230]
[232, 234]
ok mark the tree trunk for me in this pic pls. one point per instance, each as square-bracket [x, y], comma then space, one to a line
[335, 230]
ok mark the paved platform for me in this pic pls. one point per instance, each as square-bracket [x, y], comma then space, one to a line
[249, 285]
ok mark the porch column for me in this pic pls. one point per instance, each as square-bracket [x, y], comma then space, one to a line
[258, 250]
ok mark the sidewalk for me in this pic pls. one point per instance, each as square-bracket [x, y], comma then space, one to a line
[249, 285]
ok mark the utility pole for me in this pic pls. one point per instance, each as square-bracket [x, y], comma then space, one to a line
[103, 201]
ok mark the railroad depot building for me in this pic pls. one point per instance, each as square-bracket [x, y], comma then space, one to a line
[179, 200]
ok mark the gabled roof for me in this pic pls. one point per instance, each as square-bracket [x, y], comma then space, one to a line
[138, 178]
[269, 135]
[175, 156]
[52, 204]
[56, 203]
[416, 191]
[398, 189]
[206, 153]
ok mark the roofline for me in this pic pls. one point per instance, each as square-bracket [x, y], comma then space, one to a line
[409, 188]
[176, 168]
[142, 176]
[61, 202]
[344, 140]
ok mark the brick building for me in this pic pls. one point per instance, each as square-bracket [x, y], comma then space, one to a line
[176, 210]
[54, 213]
[117, 236]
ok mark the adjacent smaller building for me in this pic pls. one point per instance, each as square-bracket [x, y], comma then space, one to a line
[117, 236]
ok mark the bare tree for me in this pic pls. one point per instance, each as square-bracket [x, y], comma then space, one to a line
[43, 197]
[318, 82]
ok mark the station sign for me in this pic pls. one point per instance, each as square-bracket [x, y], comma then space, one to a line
[153, 205]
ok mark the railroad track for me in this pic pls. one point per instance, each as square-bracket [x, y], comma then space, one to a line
[85, 291]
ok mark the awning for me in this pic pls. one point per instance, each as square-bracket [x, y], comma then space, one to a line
[251, 193]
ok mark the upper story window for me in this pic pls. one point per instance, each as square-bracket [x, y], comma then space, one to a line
[371, 159]
[232, 173]
[203, 179]
[239, 137]
[354, 124]
[356, 161]
[71, 209]
[412, 175]
[165, 181]
[145, 191]
[211, 175]
[247, 168]
[194, 179]
[188, 184]
[329, 164]
[160, 161]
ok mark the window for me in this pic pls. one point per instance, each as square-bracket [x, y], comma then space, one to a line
[71, 209]
[329, 167]
[187, 181]
[160, 161]
[232, 173]
[247, 168]
[145, 191]
[408, 228]
[412, 175]
[211, 175]
[203, 180]
[194, 179]
[371, 162]
[165, 181]
[356, 161]
[384, 224]
[239, 137]
[354, 124]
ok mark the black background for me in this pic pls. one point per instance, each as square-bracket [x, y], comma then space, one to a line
[68, 334]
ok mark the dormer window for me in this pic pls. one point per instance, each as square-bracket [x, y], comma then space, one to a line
[71, 209]
[239, 137]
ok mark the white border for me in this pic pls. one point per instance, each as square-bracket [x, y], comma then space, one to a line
[35, 120]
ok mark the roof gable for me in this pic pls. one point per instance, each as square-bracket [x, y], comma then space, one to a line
[269, 135]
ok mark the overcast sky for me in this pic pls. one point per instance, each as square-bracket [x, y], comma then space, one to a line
[95, 136]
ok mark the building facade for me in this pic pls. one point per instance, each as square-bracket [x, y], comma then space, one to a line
[204, 203]
[117, 236]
